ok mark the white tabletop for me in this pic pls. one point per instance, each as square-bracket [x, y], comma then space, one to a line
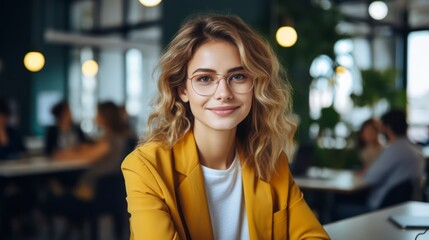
[331, 180]
[376, 225]
[37, 165]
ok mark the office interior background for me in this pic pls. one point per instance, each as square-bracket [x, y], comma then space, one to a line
[347, 61]
[336, 41]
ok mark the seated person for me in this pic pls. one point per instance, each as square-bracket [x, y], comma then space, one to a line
[64, 134]
[104, 157]
[368, 144]
[398, 162]
[16, 197]
[11, 143]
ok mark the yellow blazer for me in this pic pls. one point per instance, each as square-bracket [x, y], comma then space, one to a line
[167, 199]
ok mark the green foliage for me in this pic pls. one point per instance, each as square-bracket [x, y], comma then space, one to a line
[316, 31]
[329, 118]
[338, 158]
[378, 85]
[316, 36]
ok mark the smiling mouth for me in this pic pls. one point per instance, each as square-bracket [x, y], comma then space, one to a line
[223, 111]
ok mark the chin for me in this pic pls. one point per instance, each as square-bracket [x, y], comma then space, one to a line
[225, 127]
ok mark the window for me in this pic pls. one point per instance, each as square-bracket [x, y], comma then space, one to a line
[418, 86]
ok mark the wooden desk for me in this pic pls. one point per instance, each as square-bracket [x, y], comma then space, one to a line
[37, 166]
[375, 225]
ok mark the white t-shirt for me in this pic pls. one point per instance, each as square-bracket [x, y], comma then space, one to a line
[226, 202]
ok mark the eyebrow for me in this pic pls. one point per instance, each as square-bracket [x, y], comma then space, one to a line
[214, 71]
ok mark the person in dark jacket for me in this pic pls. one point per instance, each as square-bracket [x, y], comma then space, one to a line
[64, 134]
[11, 143]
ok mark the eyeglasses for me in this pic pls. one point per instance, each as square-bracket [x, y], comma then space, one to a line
[205, 84]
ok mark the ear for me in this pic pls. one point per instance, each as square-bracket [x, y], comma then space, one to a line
[183, 93]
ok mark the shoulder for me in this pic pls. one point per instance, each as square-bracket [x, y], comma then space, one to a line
[282, 174]
[397, 151]
[149, 154]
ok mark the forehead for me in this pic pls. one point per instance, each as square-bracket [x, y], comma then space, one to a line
[217, 55]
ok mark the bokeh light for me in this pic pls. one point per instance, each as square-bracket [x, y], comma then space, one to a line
[150, 3]
[286, 36]
[90, 68]
[34, 61]
[378, 10]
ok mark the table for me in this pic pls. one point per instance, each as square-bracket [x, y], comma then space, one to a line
[330, 181]
[343, 181]
[30, 176]
[376, 225]
[37, 166]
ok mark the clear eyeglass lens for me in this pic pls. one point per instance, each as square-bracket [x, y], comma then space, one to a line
[206, 84]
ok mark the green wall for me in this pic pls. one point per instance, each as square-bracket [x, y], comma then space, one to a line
[15, 40]
[22, 30]
[253, 12]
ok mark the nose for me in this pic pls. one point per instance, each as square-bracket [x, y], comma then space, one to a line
[223, 92]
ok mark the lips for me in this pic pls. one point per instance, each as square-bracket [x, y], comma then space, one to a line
[223, 111]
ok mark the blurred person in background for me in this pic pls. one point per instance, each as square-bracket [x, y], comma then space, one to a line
[60, 137]
[395, 175]
[399, 161]
[17, 197]
[104, 154]
[101, 185]
[64, 134]
[369, 145]
[11, 142]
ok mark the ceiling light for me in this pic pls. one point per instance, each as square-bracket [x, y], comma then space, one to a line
[150, 3]
[90, 68]
[34, 61]
[286, 36]
[378, 10]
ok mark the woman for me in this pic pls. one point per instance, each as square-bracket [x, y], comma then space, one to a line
[212, 165]
[104, 155]
[369, 145]
[100, 188]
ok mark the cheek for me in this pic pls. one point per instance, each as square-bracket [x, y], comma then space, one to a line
[195, 102]
[248, 102]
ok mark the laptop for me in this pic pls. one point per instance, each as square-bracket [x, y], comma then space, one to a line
[410, 221]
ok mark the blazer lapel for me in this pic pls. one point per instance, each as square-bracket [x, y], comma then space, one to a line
[259, 203]
[191, 190]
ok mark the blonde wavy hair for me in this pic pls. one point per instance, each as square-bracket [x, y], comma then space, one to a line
[267, 131]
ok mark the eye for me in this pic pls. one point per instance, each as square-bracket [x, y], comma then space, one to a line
[237, 77]
[203, 79]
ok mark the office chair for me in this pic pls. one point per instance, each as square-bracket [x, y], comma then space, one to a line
[399, 193]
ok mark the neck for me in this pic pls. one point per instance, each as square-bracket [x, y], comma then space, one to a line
[393, 137]
[64, 127]
[216, 149]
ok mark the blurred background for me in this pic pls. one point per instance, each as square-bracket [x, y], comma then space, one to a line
[347, 60]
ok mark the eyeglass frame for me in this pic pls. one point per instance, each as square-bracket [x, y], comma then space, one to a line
[219, 78]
